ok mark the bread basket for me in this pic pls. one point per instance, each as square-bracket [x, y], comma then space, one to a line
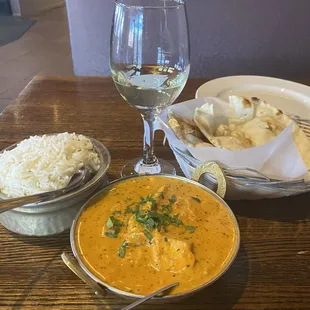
[242, 182]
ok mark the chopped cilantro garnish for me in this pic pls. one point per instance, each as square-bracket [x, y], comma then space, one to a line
[148, 198]
[176, 221]
[144, 200]
[137, 210]
[196, 199]
[109, 223]
[128, 199]
[161, 195]
[148, 235]
[149, 218]
[146, 220]
[153, 206]
[115, 225]
[129, 210]
[167, 209]
[164, 219]
[140, 218]
[112, 221]
[173, 199]
[191, 229]
[150, 223]
[117, 212]
[113, 233]
[122, 250]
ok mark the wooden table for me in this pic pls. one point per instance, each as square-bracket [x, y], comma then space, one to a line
[272, 270]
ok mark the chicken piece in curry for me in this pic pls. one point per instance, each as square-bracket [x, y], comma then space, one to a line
[148, 232]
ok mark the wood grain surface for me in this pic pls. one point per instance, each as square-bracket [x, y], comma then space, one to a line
[272, 270]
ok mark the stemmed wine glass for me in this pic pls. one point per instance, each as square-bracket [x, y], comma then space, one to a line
[149, 64]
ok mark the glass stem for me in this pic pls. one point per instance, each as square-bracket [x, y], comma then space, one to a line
[149, 157]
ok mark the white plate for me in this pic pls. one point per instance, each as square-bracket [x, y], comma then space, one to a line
[288, 96]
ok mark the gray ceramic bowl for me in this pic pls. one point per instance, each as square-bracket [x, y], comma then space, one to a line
[55, 216]
[128, 295]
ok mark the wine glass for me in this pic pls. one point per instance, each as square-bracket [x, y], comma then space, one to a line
[149, 64]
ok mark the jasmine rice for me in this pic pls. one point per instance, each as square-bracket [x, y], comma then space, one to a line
[44, 163]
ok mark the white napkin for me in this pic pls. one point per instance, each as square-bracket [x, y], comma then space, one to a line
[279, 159]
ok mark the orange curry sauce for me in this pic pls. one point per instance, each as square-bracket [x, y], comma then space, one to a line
[149, 232]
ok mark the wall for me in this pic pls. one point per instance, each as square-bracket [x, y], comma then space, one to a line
[265, 37]
[34, 7]
[90, 27]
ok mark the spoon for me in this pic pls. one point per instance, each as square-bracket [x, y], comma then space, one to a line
[73, 265]
[78, 179]
[144, 299]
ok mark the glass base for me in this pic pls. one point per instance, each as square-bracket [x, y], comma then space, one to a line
[137, 167]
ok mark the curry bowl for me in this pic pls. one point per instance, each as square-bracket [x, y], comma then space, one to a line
[141, 233]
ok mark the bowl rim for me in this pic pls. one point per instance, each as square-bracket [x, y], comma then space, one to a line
[105, 161]
[76, 253]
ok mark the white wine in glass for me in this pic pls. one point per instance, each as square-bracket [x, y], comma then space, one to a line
[149, 65]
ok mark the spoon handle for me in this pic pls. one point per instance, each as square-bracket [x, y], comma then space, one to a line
[73, 266]
[142, 300]
[8, 204]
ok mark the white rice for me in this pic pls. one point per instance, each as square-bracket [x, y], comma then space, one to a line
[45, 163]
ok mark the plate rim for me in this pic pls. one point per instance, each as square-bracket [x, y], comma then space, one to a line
[236, 80]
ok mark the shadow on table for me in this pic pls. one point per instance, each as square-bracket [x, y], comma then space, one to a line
[287, 209]
[223, 294]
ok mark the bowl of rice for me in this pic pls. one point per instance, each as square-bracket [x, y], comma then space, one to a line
[45, 163]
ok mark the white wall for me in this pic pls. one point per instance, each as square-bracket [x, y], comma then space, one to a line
[33, 7]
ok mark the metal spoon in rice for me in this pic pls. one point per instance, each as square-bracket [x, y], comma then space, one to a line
[80, 178]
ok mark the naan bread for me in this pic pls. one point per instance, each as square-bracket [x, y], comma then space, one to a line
[222, 135]
[204, 119]
[257, 132]
[278, 121]
[251, 122]
[186, 130]
[242, 110]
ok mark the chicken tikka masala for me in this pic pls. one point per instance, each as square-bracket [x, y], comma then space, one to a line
[151, 231]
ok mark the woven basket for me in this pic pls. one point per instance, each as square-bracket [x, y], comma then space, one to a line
[242, 183]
